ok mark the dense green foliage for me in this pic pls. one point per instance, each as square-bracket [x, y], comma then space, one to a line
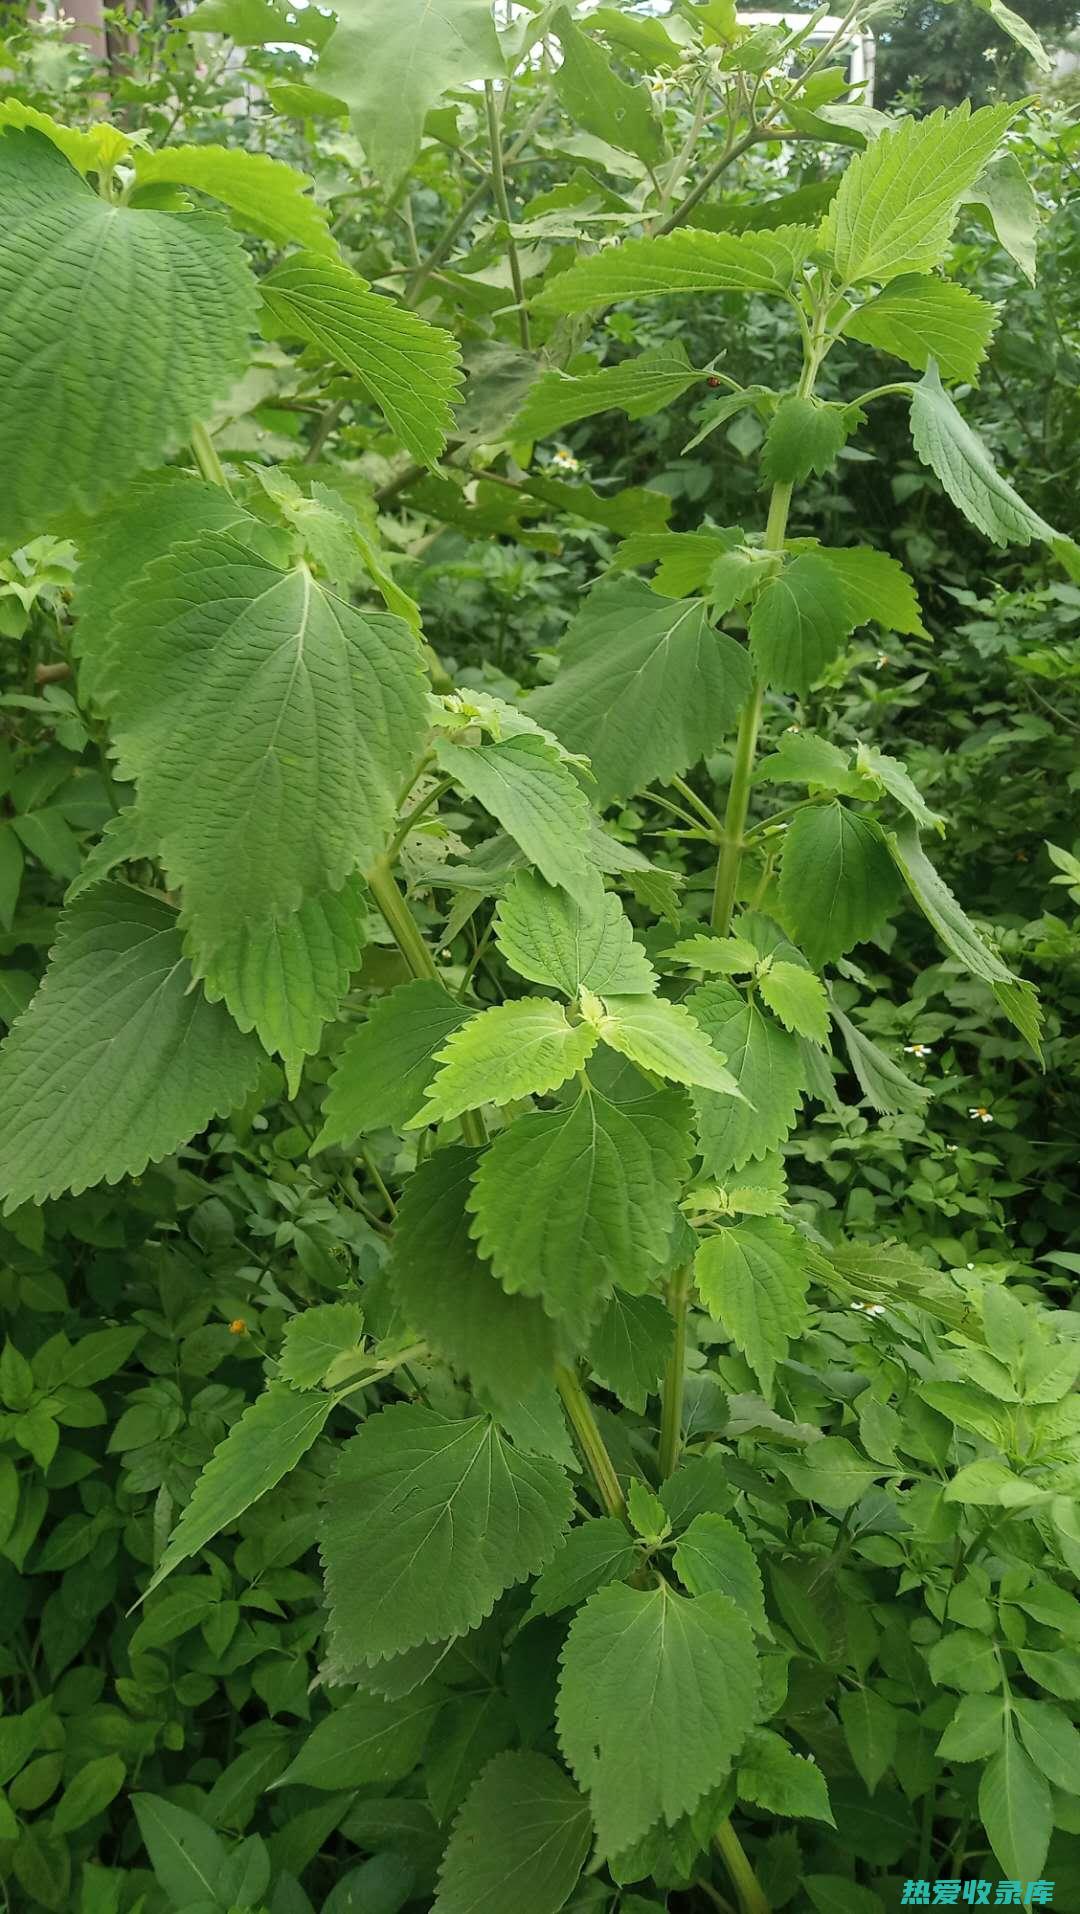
[538, 926]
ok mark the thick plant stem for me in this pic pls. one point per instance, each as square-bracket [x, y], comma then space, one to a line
[674, 1375]
[206, 458]
[498, 187]
[748, 1889]
[591, 1442]
[384, 889]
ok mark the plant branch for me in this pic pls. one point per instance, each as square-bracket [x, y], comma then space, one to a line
[206, 458]
[498, 187]
[675, 1374]
[748, 1890]
[590, 1441]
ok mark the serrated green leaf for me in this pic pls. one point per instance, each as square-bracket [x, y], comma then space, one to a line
[505, 1343]
[656, 1697]
[85, 149]
[383, 1071]
[946, 443]
[520, 1841]
[315, 1338]
[638, 387]
[804, 436]
[753, 1277]
[684, 559]
[883, 1083]
[409, 367]
[871, 1729]
[284, 979]
[646, 687]
[686, 261]
[765, 1063]
[1051, 1739]
[391, 61]
[976, 1729]
[84, 284]
[802, 758]
[601, 102]
[917, 318]
[774, 1777]
[898, 201]
[265, 722]
[118, 1060]
[523, 782]
[553, 938]
[798, 998]
[836, 884]
[718, 956]
[831, 1472]
[369, 1739]
[893, 775]
[269, 1439]
[799, 621]
[253, 23]
[1006, 193]
[1016, 1811]
[593, 1554]
[569, 1203]
[664, 1038]
[272, 199]
[427, 1521]
[630, 1347]
[713, 1555]
[519, 1049]
[875, 586]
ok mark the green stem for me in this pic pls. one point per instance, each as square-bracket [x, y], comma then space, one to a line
[207, 459]
[675, 1374]
[591, 1442]
[498, 187]
[748, 1889]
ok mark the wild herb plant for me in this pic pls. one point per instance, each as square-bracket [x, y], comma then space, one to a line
[651, 1513]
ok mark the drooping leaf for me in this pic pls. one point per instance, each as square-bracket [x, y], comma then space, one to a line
[271, 199]
[518, 1049]
[646, 687]
[552, 938]
[798, 998]
[594, 1553]
[898, 201]
[753, 1277]
[803, 758]
[777, 1779]
[831, 1471]
[314, 1339]
[713, 1556]
[409, 367]
[798, 623]
[636, 386]
[188, 1856]
[598, 99]
[569, 1203]
[520, 1841]
[523, 783]
[504, 1342]
[656, 1697]
[1005, 192]
[284, 979]
[946, 443]
[87, 290]
[1016, 1810]
[883, 1083]
[382, 1073]
[895, 778]
[265, 722]
[804, 436]
[369, 1739]
[685, 261]
[765, 1062]
[871, 1729]
[836, 884]
[118, 1059]
[427, 1521]
[917, 318]
[269, 1439]
[663, 1038]
[630, 1347]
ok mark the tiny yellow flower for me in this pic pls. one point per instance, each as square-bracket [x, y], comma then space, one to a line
[238, 1327]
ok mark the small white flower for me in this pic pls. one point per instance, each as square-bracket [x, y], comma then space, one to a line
[564, 459]
[980, 1113]
[882, 660]
[950, 1149]
[917, 1049]
[875, 1309]
[792, 730]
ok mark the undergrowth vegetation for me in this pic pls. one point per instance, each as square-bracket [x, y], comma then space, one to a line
[539, 933]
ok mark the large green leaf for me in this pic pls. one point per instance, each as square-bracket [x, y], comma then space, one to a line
[898, 201]
[836, 881]
[656, 1697]
[805, 435]
[765, 1063]
[753, 1277]
[519, 1049]
[271, 199]
[1006, 195]
[369, 1739]
[265, 722]
[385, 1067]
[409, 367]
[118, 1059]
[505, 1343]
[798, 623]
[268, 1440]
[663, 1038]
[520, 1841]
[523, 782]
[119, 330]
[646, 687]
[552, 938]
[685, 261]
[713, 1556]
[427, 1521]
[285, 977]
[597, 99]
[917, 319]
[946, 443]
[392, 60]
[874, 585]
[594, 1553]
[630, 1347]
[636, 386]
[1016, 1811]
[570, 1202]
